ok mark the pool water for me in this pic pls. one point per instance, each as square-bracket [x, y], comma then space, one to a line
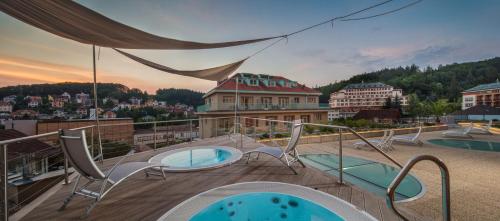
[202, 157]
[468, 144]
[265, 206]
[372, 176]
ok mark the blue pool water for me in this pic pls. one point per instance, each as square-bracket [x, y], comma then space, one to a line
[372, 176]
[265, 206]
[468, 144]
[203, 157]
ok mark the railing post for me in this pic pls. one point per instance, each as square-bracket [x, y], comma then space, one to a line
[341, 168]
[216, 127]
[66, 174]
[154, 136]
[255, 130]
[191, 130]
[92, 141]
[5, 177]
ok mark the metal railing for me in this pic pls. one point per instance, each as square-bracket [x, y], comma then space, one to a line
[261, 106]
[341, 130]
[445, 185]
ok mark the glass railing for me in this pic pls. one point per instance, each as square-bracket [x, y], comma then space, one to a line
[243, 107]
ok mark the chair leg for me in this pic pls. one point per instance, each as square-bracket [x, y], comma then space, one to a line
[163, 173]
[258, 155]
[248, 157]
[89, 209]
[301, 163]
[70, 197]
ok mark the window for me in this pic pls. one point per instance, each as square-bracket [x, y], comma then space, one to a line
[254, 82]
[289, 118]
[271, 122]
[296, 100]
[311, 100]
[228, 99]
[305, 118]
[317, 116]
[283, 101]
[272, 83]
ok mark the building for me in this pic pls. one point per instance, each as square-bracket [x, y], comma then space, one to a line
[59, 114]
[82, 98]
[259, 96]
[10, 99]
[33, 101]
[379, 115]
[66, 96]
[5, 107]
[58, 102]
[24, 114]
[483, 94]
[110, 99]
[478, 112]
[363, 96]
[82, 111]
[135, 101]
[109, 115]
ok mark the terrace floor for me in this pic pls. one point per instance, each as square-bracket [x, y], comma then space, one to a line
[141, 198]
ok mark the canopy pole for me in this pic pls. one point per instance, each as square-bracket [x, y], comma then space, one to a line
[236, 101]
[96, 108]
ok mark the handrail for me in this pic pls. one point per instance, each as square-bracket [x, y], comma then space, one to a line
[445, 184]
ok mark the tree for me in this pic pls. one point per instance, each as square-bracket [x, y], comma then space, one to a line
[388, 103]
[414, 106]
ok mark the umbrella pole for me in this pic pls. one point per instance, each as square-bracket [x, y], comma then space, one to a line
[96, 108]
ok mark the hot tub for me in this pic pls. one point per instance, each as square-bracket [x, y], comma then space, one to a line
[197, 158]
[265, 201]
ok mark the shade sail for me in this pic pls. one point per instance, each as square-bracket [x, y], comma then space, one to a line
[71, 20]
[213, 74]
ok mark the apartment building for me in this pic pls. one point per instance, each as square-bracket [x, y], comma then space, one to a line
[259, 96]
[363, 96]
[483, 94]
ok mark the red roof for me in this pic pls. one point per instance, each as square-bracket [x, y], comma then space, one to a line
[230, 85]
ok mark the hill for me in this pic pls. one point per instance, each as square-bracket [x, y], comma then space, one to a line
[117, 91]
[444, 82]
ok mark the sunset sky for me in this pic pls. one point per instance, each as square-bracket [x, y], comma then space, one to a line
[429, 33]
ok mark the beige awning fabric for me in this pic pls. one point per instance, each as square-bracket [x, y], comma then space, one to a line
[212, 74]
[71, 20]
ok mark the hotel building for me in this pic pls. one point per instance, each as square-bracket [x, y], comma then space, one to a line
[260, 96]
[483, 94]
[363, 96]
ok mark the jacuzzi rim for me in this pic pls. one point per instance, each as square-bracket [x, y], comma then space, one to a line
[336, 205]
[235, 156]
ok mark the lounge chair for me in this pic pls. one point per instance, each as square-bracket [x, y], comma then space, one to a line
[463, 133]
[74, 146]
[385, 143]
[411, 139]
[483, 129]
[289, 155]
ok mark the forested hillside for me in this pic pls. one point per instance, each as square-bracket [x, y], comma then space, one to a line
[444, 82]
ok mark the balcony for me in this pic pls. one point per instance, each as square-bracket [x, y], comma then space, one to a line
[252, 107]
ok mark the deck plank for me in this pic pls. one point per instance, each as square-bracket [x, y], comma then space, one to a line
[147, 198]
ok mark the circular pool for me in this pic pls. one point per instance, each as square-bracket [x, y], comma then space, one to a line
[265, 201]
[197, 158]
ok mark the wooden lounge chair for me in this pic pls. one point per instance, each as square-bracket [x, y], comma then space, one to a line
[289, 155]
[463, 133]
[74, 146]
[483, 129]
[411, 139]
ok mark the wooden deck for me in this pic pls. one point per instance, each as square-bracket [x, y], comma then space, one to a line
[141, 198]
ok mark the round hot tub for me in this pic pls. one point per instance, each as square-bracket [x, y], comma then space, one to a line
[197, 158]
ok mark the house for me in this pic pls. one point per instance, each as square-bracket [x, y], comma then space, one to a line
[259, 96]
[123, 105]
[82, 111]
[379, 115]
[10, 99]
[82, 98]
[109, 115]
[58, 102]
[483, 94]
[478, 112]
[5, 107]
[151, 103]
[59, 114]
[109, 99]
[363, 96]
[135, 101]
[66, 96]
[33, 101]
[24, 114]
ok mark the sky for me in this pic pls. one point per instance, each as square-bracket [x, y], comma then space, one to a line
[430, 33]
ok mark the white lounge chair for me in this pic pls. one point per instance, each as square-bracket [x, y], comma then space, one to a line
[463, 133]
[384, 144]
[411, 139]
[289, 155]
[483, 129]
[74, 146]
